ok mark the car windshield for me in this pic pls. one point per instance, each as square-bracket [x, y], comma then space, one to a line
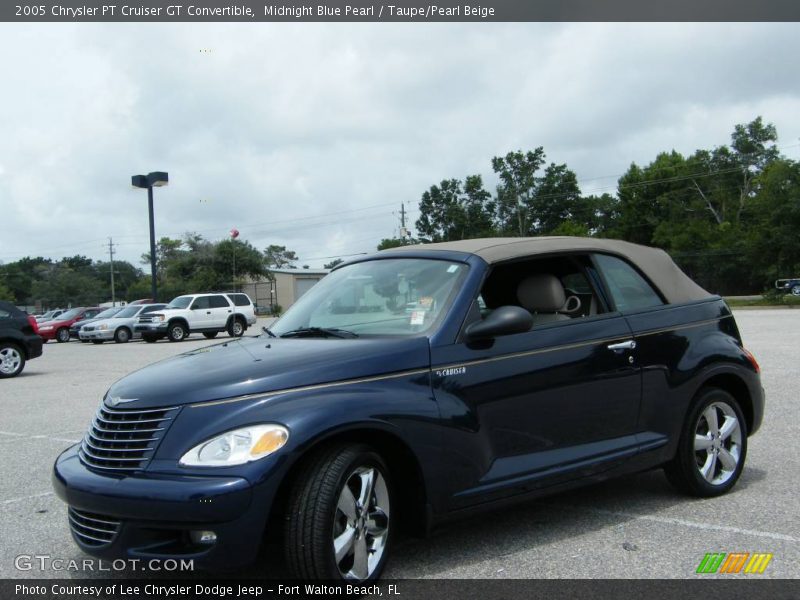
[179, 302]
[399, 296]
[128, 311]
[70, 314]
[109, 312]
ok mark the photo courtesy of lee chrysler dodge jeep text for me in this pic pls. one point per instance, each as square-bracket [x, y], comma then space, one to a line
[413, 386]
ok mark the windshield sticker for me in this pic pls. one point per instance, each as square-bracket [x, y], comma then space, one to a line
[452, 268]
[418, 317]
[426, 302]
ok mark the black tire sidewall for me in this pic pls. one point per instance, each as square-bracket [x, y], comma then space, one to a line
[60, 334]
[125, 332]
[360, 456]
[685, 457]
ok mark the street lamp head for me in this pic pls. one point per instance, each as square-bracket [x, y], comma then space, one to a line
[154, 179]
[158, 178]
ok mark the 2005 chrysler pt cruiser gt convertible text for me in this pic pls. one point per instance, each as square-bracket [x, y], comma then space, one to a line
[410, 387]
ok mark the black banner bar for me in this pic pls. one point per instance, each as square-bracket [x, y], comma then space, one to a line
[730, 588]
[415, 11]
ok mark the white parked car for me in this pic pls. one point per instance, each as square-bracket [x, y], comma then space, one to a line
[208, 314]
[120, 327]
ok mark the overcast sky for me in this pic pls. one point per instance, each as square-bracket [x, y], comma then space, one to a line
[312, 135]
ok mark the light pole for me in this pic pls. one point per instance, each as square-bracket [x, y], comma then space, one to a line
[149, 181]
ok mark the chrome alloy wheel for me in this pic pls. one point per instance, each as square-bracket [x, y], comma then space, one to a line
[10, 360]
[717, 443]
[361, 524]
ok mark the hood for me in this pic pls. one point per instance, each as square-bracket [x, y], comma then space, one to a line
[114, 321]
[257, 365]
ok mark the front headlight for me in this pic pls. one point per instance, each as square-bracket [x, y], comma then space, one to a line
[158, 318]
[45, 329]
[103, 327]
[237, 447]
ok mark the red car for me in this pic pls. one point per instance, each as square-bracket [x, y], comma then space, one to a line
[58, 329]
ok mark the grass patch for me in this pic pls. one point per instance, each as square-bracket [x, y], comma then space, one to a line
[768, 299]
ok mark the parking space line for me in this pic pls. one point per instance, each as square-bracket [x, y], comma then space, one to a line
[684, 523]
[22, 436]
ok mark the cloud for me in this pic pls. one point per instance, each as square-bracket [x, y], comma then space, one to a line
[312, 135]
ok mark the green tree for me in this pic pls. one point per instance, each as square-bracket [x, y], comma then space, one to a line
[454, 210]
[333, 263]
[6, 293]
[518, 184]
[278, 257]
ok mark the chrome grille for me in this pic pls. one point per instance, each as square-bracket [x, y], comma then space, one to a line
[124, 440]
[87, 328]
[92, 529]
[146, 319]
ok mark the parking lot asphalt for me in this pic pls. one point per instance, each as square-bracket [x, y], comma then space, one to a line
[635, 527]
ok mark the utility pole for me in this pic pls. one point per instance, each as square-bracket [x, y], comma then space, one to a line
[111, 260]
[403, 230]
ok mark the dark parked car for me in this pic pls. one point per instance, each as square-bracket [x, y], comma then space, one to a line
[411, 387]
[19, 341]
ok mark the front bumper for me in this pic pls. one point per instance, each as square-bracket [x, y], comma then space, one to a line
[151, 328]
[157, 513]
[99, 334]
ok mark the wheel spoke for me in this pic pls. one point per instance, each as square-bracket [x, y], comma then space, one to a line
[377, 523]
[728, 460]
[729, 427]
[347, 504]
[343, 544]
[701, 442]
[707, 470]
[360, 562]
[710, 415]
[367, 483]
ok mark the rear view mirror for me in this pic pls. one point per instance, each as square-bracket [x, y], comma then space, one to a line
[505, 320]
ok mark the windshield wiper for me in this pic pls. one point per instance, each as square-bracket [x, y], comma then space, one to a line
[268, 331]
[320, 331]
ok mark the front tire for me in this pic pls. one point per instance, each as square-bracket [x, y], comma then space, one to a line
[210, 335]
[122, 335]
[796, 290]
[713, 446]
[236, 328]
[150, 339]
[338, 523]
[176, 332]
[62, 335]
[12, 360]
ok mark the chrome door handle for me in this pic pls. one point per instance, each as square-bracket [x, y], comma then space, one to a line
[627, 345]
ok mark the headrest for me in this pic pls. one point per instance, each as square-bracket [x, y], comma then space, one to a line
[541, 293]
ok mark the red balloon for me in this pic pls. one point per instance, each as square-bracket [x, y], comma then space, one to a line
[234, 233]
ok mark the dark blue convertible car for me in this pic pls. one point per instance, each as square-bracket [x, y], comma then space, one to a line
[411, 387]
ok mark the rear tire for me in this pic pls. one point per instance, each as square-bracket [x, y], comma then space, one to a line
[713, 446]
[98, 341]
[62, 335]
[176, 332]
[236, 327]
[122, 335]
[796, 290]
[338, 523]
[12, 360]
[150, 339]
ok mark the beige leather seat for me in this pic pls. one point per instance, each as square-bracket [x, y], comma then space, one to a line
[543, 296]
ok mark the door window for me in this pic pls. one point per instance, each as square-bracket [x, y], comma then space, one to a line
[200, 303]
[218, 302]
[628, 288]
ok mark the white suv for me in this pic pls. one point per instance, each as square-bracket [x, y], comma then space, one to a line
[202, 313]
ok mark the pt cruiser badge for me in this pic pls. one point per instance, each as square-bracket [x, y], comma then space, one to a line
[411, 387]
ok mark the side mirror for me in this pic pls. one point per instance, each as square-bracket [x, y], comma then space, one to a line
[505, 320]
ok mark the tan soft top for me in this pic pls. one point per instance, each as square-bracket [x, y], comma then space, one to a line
[673, 283]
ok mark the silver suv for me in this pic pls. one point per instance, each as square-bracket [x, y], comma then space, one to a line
[208, 314]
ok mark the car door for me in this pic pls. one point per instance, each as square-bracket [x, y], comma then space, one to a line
[220, 309]
[528, 410]
[201, 313]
